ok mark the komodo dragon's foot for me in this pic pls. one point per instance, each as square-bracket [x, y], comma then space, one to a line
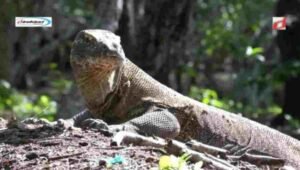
[158, 122]
[35, 123]
[102, 126]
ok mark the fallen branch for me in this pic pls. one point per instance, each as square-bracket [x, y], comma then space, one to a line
[262, 159]
[172, 147]
[136, 139]
[179, 148]
[201, 147]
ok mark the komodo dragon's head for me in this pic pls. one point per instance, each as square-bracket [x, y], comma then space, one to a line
[97, 58]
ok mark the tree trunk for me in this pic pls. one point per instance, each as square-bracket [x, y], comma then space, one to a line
[4, 45]
[156, 35]
[288, 42]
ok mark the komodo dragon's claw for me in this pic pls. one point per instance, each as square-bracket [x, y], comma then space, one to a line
[65, 124]
[97, 124]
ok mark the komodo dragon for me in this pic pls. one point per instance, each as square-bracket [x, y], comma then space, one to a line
[117, 91]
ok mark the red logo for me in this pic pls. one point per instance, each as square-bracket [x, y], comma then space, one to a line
[279, 23]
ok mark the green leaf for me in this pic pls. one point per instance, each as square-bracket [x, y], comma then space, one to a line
[173, 163]
[250, 51]
[44, 100]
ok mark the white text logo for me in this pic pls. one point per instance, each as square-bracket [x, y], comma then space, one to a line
[33, 21]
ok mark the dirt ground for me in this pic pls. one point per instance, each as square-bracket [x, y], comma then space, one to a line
[53, 148]
[71, 149]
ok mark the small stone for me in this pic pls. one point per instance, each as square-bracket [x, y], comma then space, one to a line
[31, 155]
[78, 136]
[149, 159]
[102, 162]
[83, 144]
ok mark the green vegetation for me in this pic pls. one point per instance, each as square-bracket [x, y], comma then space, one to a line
[173, 163]
[211, 97]
[238, 34]
[25, 105]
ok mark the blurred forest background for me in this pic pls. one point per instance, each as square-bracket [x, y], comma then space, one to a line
[220, 52]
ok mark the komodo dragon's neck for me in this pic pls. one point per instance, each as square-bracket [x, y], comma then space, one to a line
[96, 82]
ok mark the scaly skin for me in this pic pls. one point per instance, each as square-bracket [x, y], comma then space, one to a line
[116, 91]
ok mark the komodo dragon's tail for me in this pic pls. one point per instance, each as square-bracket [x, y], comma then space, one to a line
[238, 134]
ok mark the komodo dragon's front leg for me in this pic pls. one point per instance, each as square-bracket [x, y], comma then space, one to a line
[156, 121]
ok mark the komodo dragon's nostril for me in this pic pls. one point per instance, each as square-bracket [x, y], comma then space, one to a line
[88, 38]
[115, 45]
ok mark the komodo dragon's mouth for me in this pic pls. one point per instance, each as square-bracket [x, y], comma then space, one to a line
[96, 78]
[94, 70]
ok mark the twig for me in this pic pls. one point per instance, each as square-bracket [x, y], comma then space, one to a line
[201, 147]
[65, 156]
[49, 142]
[178, 148]
[262, 159]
